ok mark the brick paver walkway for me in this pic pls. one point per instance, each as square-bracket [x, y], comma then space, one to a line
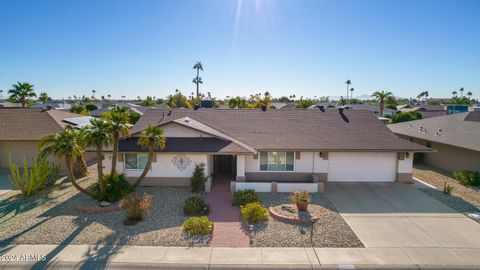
[228, 231]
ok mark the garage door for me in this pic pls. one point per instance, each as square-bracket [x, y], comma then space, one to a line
[361, 167]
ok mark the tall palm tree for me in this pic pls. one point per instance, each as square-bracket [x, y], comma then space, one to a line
[469, 94]
[22, 93]
[461, 91]
[381, 97]
[351, 92]
[93, 93]
[348, 82]
[99, 135]
[151, 139]
[119, 119]
[454, 93]
[197, 80]
[44, 98]
[1, 94]
[67, 145]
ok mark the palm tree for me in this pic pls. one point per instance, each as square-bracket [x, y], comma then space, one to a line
[99, 135]
[461, 91]
[67, 145]
[1, 94]
[197, 80]
[469, 94]
[109, 96]
[198, 66]
[22, 93]
[152, 139]
[351, 92]
[348, 82]
[119, 119]
[93, 93]
[44, 98]
[381, 97]
[454, 93]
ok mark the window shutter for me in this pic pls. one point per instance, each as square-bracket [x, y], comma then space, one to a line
[298, 155]
[255, 156]
[120, 157]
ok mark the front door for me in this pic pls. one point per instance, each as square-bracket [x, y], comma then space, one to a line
[224, 164]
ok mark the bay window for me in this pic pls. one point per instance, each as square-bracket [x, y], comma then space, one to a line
[135, 161]
[278, 161]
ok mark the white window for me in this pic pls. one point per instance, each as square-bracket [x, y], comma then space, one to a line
[135, 161]
[277, 161]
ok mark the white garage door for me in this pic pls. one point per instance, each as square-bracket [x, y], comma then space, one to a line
[361, 167]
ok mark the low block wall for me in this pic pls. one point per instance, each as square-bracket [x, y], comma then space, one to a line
[277, 187]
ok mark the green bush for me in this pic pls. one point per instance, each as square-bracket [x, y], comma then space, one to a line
[242, 197]
[467, 178]
[136, 206]
[197, 181]
[406, 116]
[198, 226]
[195, 206]
[116, 188]
[91, 107]
[254, 213]
[40, 175]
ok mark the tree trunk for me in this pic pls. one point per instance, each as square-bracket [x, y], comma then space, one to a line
[72, 179]
[81, 167]
[146, 169]
[115, 152]
[101, 183]
[382, 107]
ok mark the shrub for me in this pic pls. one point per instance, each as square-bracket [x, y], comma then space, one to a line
[242, 197]
[467, 178]
[115, 188]
[198, 226]
[136, 206]
[195, 206]
[406, 116]
[447, 189]
[197, 181]
[42, 174]
[253, 213]
[91, 107]
[300, 196]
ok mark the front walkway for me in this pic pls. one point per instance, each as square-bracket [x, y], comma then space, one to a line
[228, 230]
[149, 257]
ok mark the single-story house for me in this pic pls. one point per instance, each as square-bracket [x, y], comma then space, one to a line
[369, 107]
[427, 111]
[134, 107]
[455, 137]
[252, 145]
[22, 128]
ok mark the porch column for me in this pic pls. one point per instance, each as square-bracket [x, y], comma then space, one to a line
[240, 168]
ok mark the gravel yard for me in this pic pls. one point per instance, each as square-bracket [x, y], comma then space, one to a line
[330, 230]
[50, 218]
[463, 199]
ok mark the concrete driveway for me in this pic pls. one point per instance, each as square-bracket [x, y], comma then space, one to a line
[399, 215]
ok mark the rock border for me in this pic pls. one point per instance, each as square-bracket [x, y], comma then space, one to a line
[97, 210]
[296, 220]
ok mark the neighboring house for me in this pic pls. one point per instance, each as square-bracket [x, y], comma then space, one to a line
[369, 107]
[427, 111]
[10, 105]
[456, 139]
[57, 105]
[134, 107]
[22, 128]
[275, 145]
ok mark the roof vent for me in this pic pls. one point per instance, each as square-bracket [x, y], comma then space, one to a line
[264, 108]
[321, 108]
[187, 120]
[169, 113]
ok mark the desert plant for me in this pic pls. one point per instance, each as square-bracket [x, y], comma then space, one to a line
[253, 213]
[40, 175]
[116, 188]
[242, 197]
[467, 178]
[136, 206]
[198, 226]
[447, 189]
[195, 206]
[197, 182]
[300, 196]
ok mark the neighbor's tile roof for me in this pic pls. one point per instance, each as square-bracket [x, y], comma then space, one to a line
[461, 129]
[293, 129]
[30, 124]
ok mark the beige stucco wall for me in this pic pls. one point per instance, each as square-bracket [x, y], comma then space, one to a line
[450, 158]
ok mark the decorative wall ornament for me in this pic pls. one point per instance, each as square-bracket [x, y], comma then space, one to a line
[181, 161]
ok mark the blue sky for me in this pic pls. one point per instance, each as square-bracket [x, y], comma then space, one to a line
[307, 48]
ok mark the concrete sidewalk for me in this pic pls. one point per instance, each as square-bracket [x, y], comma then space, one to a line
[143, 257]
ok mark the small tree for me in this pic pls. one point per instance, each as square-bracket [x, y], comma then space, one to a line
[198, 178]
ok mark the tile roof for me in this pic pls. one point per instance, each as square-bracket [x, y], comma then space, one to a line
[461, 129]
[357, 130]
[30, 124]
